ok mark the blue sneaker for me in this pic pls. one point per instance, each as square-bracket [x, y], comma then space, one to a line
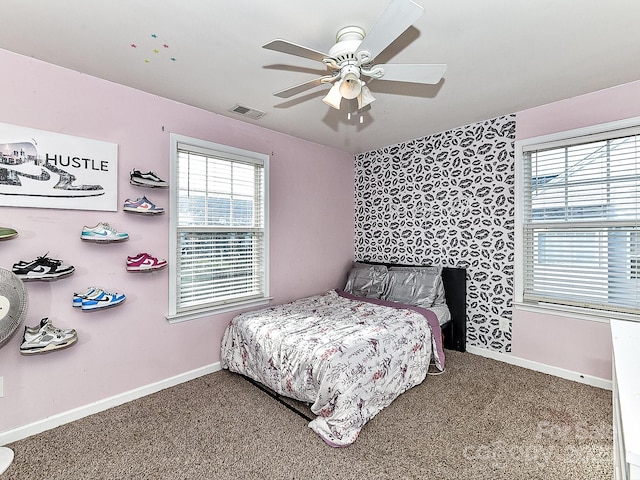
[88, 293]
[102, 300]
[103, 232]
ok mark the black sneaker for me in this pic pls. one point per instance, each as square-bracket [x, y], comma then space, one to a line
[42, 268]
[149, 179]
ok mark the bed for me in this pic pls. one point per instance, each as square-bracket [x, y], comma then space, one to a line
[349, 353]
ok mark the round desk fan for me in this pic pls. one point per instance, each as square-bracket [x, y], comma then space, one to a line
[13, 309]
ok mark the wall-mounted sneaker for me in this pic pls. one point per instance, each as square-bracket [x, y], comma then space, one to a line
[142, 205]
[102, 300]
[143, 262]
[45, 338]
[103, 232]
[6, 233]
[148, 179]
[42, 268]
[88, 293]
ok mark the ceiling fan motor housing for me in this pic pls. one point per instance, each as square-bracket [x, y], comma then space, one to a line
[348, 39]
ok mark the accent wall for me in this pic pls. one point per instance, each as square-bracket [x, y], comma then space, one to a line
[447, 199]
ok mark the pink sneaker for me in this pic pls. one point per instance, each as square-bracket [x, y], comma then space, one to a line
[143, 262]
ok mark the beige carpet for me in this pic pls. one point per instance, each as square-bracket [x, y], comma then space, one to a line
[482, 419]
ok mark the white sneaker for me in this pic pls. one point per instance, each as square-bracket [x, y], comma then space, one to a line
[103, 232]
[103, 300]
[90, 292]
[46, 338]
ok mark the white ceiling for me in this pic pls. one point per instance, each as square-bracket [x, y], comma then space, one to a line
[503, 56]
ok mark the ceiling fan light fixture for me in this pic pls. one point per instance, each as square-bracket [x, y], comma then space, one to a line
[351, 85]
[334, 97]
[365, 97]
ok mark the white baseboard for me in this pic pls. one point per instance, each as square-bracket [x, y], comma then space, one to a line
[77, 413]
[541, 367]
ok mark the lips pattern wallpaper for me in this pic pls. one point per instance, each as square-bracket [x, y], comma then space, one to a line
[447, 199]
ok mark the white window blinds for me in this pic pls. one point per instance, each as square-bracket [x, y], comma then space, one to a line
[581, 222]
[221, 244]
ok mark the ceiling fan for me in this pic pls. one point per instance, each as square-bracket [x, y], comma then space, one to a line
[352, 57]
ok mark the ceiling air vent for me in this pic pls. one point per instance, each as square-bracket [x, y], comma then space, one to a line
[247, 112]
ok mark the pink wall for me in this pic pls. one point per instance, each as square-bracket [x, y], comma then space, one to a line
[132, 345]
[578, 345]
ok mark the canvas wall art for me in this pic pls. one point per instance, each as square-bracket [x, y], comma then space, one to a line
[52, 170]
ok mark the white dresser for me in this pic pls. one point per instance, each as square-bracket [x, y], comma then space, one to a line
[626, 399]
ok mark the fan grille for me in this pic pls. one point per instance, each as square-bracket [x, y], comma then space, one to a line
[13, 304]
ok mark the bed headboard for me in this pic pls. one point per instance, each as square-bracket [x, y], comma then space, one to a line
[455, 289]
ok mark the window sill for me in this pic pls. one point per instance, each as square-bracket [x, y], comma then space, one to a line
[209, 311]
[600, 316]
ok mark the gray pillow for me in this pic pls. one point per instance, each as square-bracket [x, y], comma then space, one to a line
[419, 286]
[366, 280]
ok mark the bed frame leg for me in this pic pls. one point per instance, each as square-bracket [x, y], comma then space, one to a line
[277, 397]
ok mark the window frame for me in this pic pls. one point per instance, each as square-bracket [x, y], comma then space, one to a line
[175, 313]
[559, 139]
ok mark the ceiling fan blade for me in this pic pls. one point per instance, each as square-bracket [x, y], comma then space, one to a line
[291, 91]
[395, 19]
[409, 72]
[291, 48]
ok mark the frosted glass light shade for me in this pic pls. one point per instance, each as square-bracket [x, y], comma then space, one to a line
[351, 86]
[334, 97]
[365, 97]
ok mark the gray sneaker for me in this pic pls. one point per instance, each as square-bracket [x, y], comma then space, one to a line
[46, 338]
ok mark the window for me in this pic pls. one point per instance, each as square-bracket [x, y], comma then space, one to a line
[219, 234]
[579, 240]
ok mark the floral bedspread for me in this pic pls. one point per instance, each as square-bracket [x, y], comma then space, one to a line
[348, 357]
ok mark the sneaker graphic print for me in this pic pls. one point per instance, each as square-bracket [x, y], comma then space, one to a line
[24, 172]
